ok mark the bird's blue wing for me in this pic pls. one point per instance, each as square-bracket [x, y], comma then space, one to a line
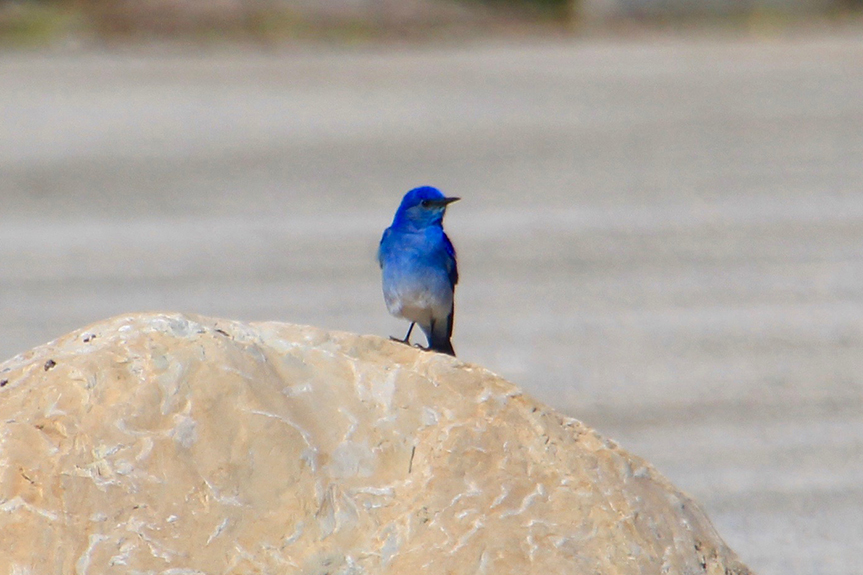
[381, 246]
[452, 266]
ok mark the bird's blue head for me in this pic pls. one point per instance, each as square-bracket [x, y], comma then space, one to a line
[422, 207]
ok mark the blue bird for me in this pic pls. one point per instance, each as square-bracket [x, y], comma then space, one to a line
[419, 268]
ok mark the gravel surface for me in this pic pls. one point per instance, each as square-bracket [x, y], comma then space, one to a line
[663, 237]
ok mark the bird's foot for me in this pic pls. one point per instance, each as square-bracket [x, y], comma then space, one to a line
[407, 339]
[406, 342]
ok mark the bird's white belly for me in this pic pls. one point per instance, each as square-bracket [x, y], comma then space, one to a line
[417, 303]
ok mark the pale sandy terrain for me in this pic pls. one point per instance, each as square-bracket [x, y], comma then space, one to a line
[663, 238]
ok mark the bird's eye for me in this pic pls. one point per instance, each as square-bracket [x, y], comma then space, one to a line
[425, 203]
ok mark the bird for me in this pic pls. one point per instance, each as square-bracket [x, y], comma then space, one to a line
[418, 267]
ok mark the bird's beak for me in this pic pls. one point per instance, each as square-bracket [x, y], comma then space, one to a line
[440, 203]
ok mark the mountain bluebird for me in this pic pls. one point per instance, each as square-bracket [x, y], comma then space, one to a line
[419, 269]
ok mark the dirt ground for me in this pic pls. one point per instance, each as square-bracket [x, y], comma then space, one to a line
[661, 237]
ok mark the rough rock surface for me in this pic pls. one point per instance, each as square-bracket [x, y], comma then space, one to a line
[166, 443]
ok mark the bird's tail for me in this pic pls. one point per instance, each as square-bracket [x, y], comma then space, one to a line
[440, 335]
[443, 345]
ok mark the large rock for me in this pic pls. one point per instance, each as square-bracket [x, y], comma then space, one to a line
[180, 444]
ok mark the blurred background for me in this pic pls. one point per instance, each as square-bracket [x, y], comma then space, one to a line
[661, 230]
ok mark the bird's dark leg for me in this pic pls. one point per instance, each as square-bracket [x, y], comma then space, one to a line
[428, 338]
[407, 337]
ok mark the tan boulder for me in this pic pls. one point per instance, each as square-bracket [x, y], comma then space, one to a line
[165, 443]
